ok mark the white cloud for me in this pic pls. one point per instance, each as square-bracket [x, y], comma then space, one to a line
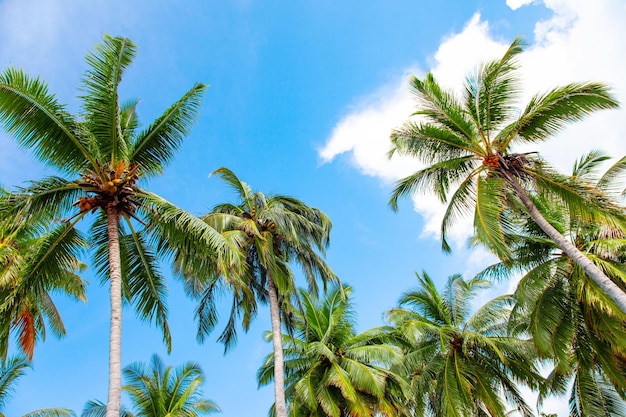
[516, 4]
[365, 132]
[580, 42]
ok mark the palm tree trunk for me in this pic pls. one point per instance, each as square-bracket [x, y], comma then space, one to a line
[604, 282]
[115, 333]
[277, 339]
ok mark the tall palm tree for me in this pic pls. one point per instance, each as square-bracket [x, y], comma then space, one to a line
[461, 364]
[34, 261]
[10, 371]
[565, 312]
[272, 232]
[468, 143]
[333, 371]
[157, 391]
[106, 155]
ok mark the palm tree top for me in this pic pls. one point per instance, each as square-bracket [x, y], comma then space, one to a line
[468, 146]
[104, 147]
[461, 361]
[282, 215]
[481, 128]
[485, 122]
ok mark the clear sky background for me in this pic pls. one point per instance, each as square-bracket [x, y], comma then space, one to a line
[302, 100]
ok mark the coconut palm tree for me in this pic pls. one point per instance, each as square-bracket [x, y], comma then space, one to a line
[10, 371]
[106, 156]
[566, 313]
[461, 364]
[333, 371]
[157, 391]
[272, 232]
[469, 144]
[34, 261]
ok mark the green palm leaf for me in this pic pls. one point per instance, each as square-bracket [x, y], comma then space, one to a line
[155, 147]
[467, 144]
[39, 122]
[458, 364]
[101, 102]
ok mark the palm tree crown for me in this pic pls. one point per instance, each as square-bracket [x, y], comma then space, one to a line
[157, 390]
[333, 371]
[469, 144]
[461, 364]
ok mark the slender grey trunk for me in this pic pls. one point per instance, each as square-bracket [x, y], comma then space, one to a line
[277, 339]
[115, 333]
[604, 282]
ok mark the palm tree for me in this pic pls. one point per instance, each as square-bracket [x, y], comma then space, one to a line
[272, 232]
[157, 391]
[333, 371]
[461, 364]
[108, 155]
[567, 315]
[468, 143]
[10, 371]
[34, 262]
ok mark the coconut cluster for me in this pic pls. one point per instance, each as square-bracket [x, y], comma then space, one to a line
[492, 161]
[111, 190]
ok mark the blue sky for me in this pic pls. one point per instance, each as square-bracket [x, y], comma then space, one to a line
[303, 96]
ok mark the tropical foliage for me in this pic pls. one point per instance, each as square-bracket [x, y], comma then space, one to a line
[272, 232]
[35, 261]
[469, 143]
[443, 355]
[570, 319]
[157, 390]
[333, 371]
[106, 155]
[461, 364]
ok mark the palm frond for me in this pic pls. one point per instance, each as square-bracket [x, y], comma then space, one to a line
[51, 199]
[10, 372]
[145, 283]
[584, 201]
[490, 223]
[176, 231]
[430, 143]
[490, 92]
[101, 103]
[440, 107]
[155, 146]
[460, 204]
[587, 165]
[609, 182]
[129, 121]
[39, 122]
[51, 412]
[548, 114]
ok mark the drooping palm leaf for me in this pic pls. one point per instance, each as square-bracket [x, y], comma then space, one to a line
[39, 122]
